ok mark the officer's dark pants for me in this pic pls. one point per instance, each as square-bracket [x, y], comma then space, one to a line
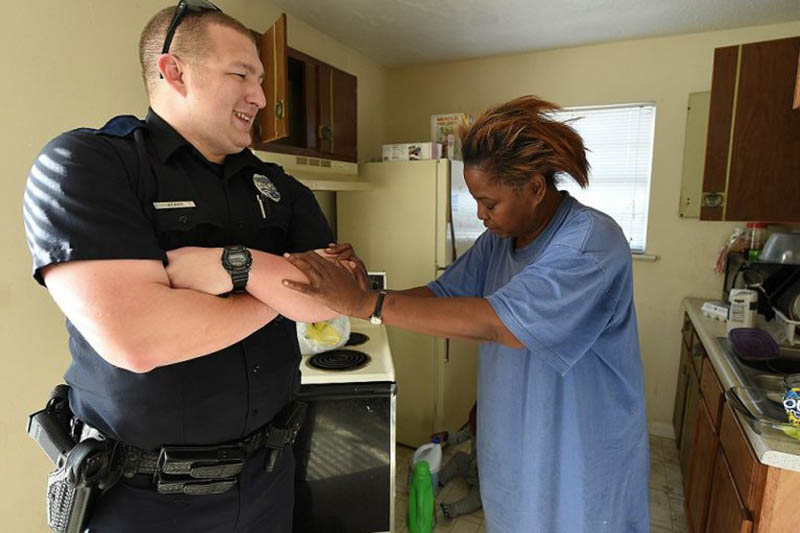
[260, 502]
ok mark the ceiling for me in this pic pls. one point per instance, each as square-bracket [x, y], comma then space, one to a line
[406, 32]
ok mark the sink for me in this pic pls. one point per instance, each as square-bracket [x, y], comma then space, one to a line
[771, 382]
[757, 373]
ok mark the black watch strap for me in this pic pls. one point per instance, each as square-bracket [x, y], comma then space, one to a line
[240, 280]
[376, 317]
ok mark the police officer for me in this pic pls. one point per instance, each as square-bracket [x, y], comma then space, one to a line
[154, 366]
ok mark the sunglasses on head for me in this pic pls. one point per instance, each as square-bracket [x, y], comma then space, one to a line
[180, 12]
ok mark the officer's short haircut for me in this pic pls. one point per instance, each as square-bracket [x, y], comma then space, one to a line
[189, 42]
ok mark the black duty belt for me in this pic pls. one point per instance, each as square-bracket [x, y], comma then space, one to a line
[202, 470]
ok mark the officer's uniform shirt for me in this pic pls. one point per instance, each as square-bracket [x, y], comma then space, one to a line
[133, 190]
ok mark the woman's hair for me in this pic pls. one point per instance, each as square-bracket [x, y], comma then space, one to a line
[515, 141]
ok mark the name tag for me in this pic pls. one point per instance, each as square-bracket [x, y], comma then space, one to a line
[173, 205]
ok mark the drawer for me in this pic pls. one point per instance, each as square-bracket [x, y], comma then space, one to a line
[712, 392]
[748, 473]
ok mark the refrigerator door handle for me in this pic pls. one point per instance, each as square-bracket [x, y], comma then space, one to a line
[446, 350]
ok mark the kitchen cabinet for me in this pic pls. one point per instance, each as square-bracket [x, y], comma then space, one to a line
[726, 513]
[318, 112]
[727, 487]
[689, 422]
[752, 154]
[683, 381]
[701, 464]
[271, 122]
[797, 85]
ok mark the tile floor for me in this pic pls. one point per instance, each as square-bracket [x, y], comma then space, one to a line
[666, 492]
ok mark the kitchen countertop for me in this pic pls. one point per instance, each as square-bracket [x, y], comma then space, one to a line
[771, 449]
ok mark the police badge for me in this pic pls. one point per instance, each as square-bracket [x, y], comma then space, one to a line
[266, 187]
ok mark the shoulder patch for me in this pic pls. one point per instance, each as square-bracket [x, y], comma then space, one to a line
[120, 126]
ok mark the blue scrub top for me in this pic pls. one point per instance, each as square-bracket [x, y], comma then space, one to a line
[562, 431]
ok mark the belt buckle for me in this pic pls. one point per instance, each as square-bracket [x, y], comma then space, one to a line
[198, 470]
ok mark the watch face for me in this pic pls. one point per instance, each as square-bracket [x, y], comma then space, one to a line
[237, 259]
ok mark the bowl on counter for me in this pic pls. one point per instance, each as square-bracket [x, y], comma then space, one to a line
[781, 247]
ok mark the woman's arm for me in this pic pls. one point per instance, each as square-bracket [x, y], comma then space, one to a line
[415, 310]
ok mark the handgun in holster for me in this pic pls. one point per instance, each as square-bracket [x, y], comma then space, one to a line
[82, 468]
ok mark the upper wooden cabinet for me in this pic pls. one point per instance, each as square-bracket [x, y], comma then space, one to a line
[271, 122]
[311, 106]
[797, 86]
[752, 159]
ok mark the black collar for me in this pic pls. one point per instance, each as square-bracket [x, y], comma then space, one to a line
[167, 141]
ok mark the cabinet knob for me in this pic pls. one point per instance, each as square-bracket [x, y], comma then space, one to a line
[713, 199]
[279, 109]
[324, 132]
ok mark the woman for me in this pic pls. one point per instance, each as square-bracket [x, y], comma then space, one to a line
[547, 290]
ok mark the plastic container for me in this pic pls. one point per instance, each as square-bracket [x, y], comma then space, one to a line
[420, 500]
[756, 232]
[432, 454]
[742, 310]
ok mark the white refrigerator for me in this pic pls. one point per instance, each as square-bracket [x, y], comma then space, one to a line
[412, 223]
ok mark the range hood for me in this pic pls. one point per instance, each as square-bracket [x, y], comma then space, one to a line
[318, 174]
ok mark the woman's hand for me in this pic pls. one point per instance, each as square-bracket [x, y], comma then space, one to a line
[344, 252]
[198, 269]
[331, 283]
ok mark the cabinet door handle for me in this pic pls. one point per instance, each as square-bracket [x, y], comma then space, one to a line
[279, 109]
[324, 132]
[712, 199]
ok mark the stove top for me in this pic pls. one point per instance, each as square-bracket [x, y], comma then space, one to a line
[371, 341]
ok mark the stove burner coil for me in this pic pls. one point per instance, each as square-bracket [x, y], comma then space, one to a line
[356, 339]
[339, 360]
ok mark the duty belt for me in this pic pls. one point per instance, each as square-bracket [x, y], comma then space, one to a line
[203, 470]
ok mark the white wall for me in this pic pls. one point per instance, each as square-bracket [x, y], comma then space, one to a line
[66, 65]
[662, 70]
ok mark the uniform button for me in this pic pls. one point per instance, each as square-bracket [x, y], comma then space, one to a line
[256, 368]
[255, 411]
[183, 219]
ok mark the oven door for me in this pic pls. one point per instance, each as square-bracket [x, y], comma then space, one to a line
[344, 453]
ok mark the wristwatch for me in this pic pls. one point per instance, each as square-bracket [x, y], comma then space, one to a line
[237, 260]
[375, 317]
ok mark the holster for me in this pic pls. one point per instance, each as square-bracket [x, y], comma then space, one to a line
[83, 470]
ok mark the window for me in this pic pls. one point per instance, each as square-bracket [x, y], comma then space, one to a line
[619, 140]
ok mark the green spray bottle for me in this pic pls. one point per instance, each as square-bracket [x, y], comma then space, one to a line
[420, 500]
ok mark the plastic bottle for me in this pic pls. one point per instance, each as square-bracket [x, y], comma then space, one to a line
[420, 500]
[756, 232]
[432, 453]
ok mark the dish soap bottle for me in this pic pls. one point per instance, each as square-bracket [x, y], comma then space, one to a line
[420, 500]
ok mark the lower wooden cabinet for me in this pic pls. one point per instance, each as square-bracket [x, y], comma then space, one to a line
[726, 512]
[687, 432]
[701, 467]
[727, 488]
[680, 396]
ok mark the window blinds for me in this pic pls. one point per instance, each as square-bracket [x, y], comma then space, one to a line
[619, 140]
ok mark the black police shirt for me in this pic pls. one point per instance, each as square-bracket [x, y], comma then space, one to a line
[133, 190]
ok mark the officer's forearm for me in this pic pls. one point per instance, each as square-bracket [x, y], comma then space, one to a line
[201, 269]
[266, 284]
[128, 313]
